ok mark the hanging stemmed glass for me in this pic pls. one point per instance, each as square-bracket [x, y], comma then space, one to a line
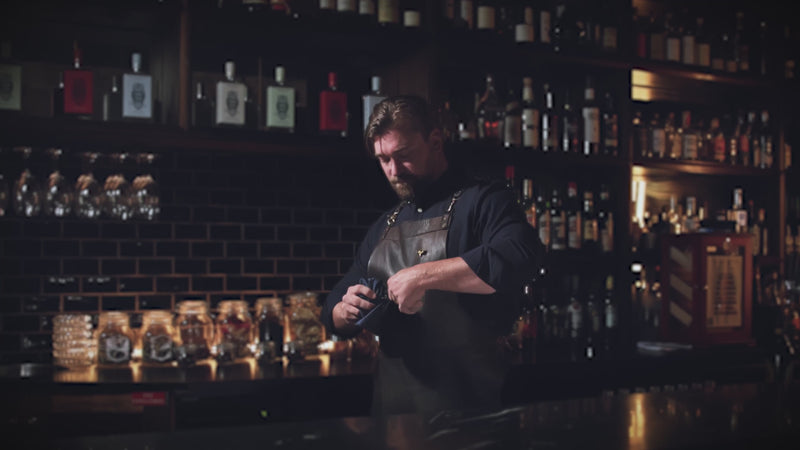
[27, 198]
[145, 189]
[88, 193]
[57, 193]
[118, 193]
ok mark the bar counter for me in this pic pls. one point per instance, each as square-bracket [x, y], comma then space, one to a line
[161, 407]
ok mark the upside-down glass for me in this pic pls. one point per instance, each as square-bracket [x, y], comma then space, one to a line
[27, 196]
[88, 193]
[234, 331]
[57, 195]
[146, 202]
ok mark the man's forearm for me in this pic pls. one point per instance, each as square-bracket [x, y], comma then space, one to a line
[452, 274]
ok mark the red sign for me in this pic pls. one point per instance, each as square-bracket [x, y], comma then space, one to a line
[149, 398]
[78, 92]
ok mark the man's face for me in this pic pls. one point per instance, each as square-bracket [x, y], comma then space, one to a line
[408, 160]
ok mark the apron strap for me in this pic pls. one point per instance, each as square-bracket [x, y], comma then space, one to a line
[449, 211]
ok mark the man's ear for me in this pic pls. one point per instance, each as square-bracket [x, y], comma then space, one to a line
[436, 140]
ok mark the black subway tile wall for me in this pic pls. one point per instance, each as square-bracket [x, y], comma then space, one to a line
[232, 226]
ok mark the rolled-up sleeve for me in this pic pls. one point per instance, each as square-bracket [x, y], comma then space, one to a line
[508, 251]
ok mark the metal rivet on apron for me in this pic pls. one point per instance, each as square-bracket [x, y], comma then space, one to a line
[422, 252]
[419, 210]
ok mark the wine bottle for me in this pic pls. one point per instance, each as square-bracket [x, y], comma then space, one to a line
[530, 117]
[202, 108]
[333, 116]
[610, 127]
[78, 89]
[512, 122]
[550, 138]
[231, 96]
[490, 112]
[137, 92]
[573, 214]
[570, 140]
[280, 101]
[112, 102]
[590, 113]
[372, 98]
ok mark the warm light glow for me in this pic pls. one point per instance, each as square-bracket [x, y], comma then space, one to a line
[636, 428]
[325, 346]
[636, 267]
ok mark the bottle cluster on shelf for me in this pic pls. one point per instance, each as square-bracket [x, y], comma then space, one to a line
[52, 194]
[744, 138]
[734, 41]
[694, 216]
[569, 318]
[548, 120]
[571, 222]
[194, 334]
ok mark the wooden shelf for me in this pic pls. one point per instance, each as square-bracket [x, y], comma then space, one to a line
[655, 166]
[696, 73]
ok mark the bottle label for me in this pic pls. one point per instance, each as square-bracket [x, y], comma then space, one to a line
[230, 103]
[673, 49]
[486, 17]
[549, 133]
[116, 349]
[657, 46]
[755, 149]
[744, 150]
[137, 96]
[591, 125]
[530, 128]
[610, 131]
[544, 228]
[366, 7]
[690, 146]
[466, 12]
[659, 142]
[78, 92]
[512, 131]
[704, 55]
[346, 5]
[280, 102]
[523, 32]
[159, 348]
[544, 27]
[10, 87]
[332, 111]
[688, 49]
[388, 11]
[719, 148]
[559, 231]
[590, 232]
[610, 38]
[574, 231]
[411, 19]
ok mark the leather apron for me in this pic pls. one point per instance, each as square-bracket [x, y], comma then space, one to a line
[436, 359]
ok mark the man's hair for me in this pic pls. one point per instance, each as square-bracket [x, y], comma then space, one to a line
[406, 113]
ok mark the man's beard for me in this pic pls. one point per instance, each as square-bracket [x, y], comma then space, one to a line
[403, 188]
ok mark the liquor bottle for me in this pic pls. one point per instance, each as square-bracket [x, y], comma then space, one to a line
[718, 49]
[366, 12]
[658, 137]
[762, 226]
[231, 96]
[689, 138]
[543, 217]
[550, 138]
[746, 125]
[202, 108]
[345, 8]
[10, 80]
[372, 98]
[731, 53]
[137, 92]
[558, 222]
[673, 38]
[717, 141]
[529, 201]
[741, 43]
[112, 102]
[530, 117]
[593, 326]
[490, 112]
[610, 329]
[412, 13]
[640, 35]
[487, 16]
[508, 14]
[590, 113]
[524, 30]
[690, 221]
[702, 43]
[570, 140]
[605, 220]
[448, 120]
[574, 324]
[658, 39]
[561, 31]
[689, 39]
[762, 54]
[766, 141]
[545, 17]
[756, 152]
[673, 138]
[610, 30]
[674, 216]
[465, 15]
[280, 104]
[641, 139]
[731, 131]
[610, 126]
[572, 209]
[388, 13]
[589, 220]
[78, 89]
[755, 228]
[738, 213]
[512, 122]
[333, 114]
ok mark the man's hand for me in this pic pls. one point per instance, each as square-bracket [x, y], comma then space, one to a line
[346, 313]
[406, 288]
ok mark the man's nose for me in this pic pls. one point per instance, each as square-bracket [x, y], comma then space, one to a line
[392, 168]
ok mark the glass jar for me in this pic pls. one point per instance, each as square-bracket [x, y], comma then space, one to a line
[73, 340]
[114, 338]
[195, 332]
[234, 330]
[305, 328]
[269, 323]
[157, 337]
